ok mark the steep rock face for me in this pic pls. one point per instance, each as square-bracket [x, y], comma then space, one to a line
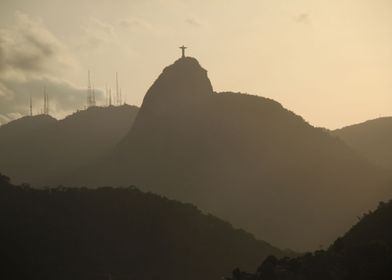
[372, 139]
[176, 97]
[183, 83]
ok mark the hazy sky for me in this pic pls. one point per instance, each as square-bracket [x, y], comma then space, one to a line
[329, 61]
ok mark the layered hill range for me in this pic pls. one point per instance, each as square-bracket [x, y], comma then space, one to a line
[243, 158]
[108, 233]
[363, 253]
[372, 139]
[40, 149]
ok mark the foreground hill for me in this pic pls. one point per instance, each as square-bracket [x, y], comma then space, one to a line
[41, 150]
[372, 139]
[112, 233]
[364, 253]
[243, 158]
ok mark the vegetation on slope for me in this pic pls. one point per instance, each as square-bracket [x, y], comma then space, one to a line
[364, 253]
[67, 233]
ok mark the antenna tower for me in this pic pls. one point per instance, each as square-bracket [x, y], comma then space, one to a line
[110, 97]
[118, 92]
[106, 95]
[31, 105]
[46, 102]
[90, 93]
[93, 103]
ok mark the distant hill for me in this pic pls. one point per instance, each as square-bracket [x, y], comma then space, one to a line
[108, 233]
[363, 253]
[372, 139]
[243, 158]
[39, 149]
[23, 126]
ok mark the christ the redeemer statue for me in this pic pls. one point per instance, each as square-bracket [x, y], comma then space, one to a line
[183, 50]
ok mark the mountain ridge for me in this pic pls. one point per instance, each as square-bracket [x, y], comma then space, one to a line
[371, 138]
[47, 154]
[244, 158]
[24, 125]
[363, 252]
[67, 233]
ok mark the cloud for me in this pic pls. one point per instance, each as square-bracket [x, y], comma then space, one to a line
[28, 49]
[5, 118]
[96, 34]
[63, 97]
[136, 26]
[31, 58]
[132, 23]
[193, 21]
[101, 27]
[303, 18]
[99, 34]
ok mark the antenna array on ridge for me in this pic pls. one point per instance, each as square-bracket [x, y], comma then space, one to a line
[116, 99]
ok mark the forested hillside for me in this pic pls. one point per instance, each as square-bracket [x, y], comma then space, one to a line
[363, 253]
[109, 233]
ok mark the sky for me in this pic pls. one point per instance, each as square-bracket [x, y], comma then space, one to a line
[329, 61]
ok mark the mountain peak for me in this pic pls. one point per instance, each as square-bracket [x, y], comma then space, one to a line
[187, 61]
[182, 82]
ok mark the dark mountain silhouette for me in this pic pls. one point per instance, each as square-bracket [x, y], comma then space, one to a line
[48, 152]
[21, 127]
[244, 158]
[364, 253]
[108, 233]
[372, 139]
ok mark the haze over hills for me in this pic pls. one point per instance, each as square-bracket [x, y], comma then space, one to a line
[112, 233]
[244, 158]
[363, 253]
[229, 159]
[372, 139]
[55, 148]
